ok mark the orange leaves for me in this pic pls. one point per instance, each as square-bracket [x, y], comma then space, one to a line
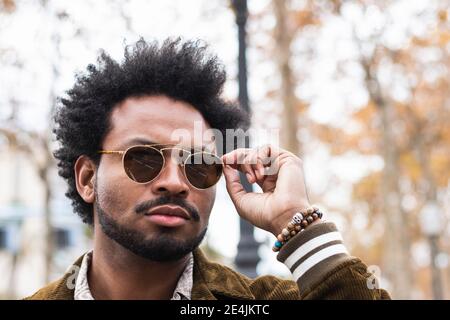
[442, 15]
[367, 189]
[7, 5]
[440, 166]
[411, 166]
[361, 134]
[366, 114]
[339, 141]
[444, 38]
[333, 137]
[420, 42]
[304, 18]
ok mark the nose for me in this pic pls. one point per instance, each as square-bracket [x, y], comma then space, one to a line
[171, 181]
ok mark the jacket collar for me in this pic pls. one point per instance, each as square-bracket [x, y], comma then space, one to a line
[211, 281]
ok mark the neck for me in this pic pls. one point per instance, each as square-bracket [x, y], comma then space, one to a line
[118, 274]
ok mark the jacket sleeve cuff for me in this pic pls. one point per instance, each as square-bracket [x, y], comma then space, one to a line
[313, 253]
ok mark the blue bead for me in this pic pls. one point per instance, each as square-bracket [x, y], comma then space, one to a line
[278, 244]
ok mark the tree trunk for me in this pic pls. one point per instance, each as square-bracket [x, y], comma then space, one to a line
[396, 259]
[283, 38]
[397, 244]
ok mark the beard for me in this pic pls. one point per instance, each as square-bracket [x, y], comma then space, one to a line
[162, 247]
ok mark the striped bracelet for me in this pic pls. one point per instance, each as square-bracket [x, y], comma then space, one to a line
[300, 221]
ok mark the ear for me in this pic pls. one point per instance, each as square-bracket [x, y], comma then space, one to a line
[84, 178]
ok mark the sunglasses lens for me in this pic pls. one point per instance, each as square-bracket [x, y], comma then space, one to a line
[143, 164]
[203, 170]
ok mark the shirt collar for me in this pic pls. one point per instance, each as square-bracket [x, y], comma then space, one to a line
[182, 291]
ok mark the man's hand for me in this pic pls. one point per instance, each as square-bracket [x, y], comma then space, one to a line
[279, 173]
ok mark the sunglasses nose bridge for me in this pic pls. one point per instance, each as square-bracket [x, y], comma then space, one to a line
[173, 158]
[175, 155]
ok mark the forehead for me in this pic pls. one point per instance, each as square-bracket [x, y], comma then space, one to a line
[157, 119]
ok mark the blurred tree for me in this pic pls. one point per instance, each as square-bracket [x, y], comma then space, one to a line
[283, 35]
[37, 145]
[404, 121]
[410, 133]
[290, 22]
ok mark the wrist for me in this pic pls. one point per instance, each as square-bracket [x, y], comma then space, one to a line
[282, 221]
[298, 222]
[280, 224]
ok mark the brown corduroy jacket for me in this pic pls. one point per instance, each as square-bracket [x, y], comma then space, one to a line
[213, 281]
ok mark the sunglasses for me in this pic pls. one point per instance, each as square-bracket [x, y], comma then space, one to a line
[144, 163]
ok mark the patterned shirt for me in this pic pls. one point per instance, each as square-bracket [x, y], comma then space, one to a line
[182, 290]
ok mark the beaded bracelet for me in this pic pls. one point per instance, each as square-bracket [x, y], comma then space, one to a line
[299, 222]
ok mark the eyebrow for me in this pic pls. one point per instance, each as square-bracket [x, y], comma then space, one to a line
[137, 141]
[143, 141]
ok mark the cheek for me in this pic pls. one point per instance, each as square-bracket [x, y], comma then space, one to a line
[205, 202]
[114, 194]
[107, 197]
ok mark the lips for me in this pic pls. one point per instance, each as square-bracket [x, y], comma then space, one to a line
[167, 210]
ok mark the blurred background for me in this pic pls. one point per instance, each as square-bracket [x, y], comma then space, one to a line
[359, 89]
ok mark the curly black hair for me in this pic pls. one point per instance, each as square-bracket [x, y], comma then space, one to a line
[182, 70]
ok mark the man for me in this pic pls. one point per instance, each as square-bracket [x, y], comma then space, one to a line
[138, 185]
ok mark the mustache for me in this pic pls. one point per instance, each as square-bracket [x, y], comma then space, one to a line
[145, 206]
